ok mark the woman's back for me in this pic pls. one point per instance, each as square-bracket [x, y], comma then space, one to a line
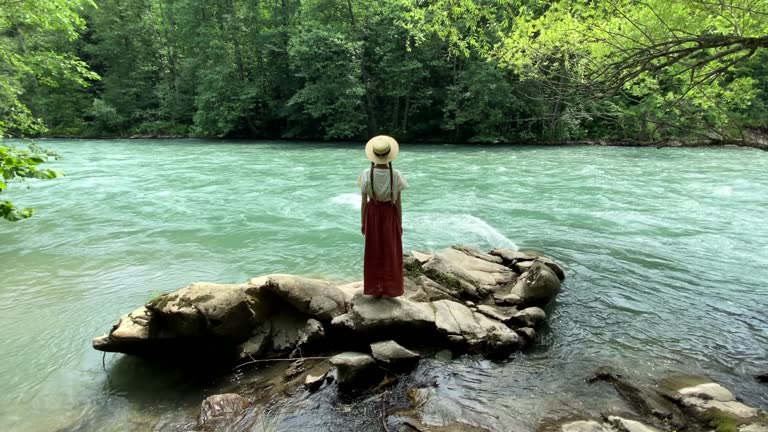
[382, 185]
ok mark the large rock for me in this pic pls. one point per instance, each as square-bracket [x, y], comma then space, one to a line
[278, 315]
[222, 408]
[317, 298]
[355, 370]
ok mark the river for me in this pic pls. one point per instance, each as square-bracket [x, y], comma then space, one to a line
[665, 252]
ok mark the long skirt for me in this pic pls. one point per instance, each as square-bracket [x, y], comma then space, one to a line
[383, 262]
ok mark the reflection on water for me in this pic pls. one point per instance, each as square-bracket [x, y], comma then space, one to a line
[665, 251]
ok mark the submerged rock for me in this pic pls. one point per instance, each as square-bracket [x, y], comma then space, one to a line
[355, 370]
[222, 408]
[313, 383]
[708, 396]
[584, 426]
[392, 354]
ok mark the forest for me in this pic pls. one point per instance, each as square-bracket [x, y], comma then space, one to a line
[477, 71]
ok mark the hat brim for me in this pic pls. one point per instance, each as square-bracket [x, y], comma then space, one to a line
[394, 149]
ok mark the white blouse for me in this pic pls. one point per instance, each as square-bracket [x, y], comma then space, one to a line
[381, 183]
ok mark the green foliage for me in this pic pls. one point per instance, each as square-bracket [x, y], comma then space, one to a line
[18, 164]
[440, 70]
[332, 91]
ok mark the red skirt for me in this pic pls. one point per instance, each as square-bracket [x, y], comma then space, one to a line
[383, 262]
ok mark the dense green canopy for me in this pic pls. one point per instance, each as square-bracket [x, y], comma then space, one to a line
[448, 70]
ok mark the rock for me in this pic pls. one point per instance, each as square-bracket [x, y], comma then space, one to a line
[646, 402]
[509, 255]
[368, 314]
[476, 271]
[421, 257]
[131, 330]
[530, 317]
[474, 330]
[536, 287]
[447, 296]
[319, 299]
[313, 383]
[295, 369]
[527, 333]
[391, 354]
[477, 253]
[704, 397]
[624, 425]
[435, 291]
[584, 426]
[227, 406]
[355, 370]
[552, 266]
[259, 342]
[287, 329]
[503, 314]
[205, 310]
[754, 427]
[351, 290]
[763, 378]
[523, 266]
[311, 335]
[453, 318]
[708, 391]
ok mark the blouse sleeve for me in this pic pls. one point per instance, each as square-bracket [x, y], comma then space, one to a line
[362, 182]
[401, 183]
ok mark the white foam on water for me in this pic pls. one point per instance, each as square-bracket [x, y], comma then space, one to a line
[347, 200]
[456, 229]
[724, 191]
[500, 169]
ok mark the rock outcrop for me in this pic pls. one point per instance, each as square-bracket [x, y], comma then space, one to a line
[459, 297]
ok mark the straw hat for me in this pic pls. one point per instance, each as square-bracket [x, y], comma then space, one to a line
[381, 149]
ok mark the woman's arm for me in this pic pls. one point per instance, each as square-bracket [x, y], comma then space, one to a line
[363, 205]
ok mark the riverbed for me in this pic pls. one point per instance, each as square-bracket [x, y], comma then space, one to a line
[665, 252]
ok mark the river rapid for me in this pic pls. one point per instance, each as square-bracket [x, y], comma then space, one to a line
[665, 253]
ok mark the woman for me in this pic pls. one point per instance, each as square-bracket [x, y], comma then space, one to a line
[381, 216]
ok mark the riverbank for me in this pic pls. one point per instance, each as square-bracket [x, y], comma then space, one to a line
[751, 139]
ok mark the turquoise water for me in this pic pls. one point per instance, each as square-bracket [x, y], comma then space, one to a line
[665, 250]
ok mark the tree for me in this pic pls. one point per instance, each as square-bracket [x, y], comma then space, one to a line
[28, 32]
[670, 61]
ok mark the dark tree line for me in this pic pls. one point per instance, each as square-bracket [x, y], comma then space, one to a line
[446, 70]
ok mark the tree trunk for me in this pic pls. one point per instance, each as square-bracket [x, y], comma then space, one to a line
[368, 104]
[405, 112]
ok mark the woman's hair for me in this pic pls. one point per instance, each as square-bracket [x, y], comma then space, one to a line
[391, 183]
